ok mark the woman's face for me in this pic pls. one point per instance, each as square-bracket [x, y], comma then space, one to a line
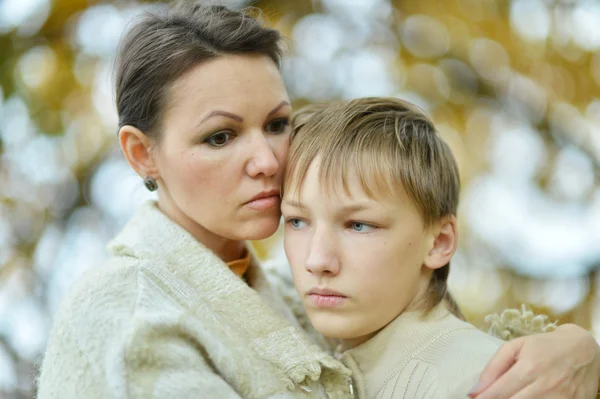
[224, 142]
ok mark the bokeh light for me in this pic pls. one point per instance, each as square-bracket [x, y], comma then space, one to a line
[513, 88]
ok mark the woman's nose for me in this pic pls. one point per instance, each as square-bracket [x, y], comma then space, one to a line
[262, 158]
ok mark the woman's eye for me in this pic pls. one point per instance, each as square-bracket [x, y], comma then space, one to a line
[361, 227]
[296, 223]
[278, 125]
[219, 139]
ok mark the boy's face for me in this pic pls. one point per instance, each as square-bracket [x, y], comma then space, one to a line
[357, 263]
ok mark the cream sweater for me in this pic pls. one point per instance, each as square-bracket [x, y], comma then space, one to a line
[166, 318]
[415, 357]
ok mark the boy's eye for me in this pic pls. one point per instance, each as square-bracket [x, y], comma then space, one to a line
[277, 126]
[219, 139]
[297, 223]
[361, 227]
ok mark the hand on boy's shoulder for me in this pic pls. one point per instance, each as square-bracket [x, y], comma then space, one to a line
[508, 325]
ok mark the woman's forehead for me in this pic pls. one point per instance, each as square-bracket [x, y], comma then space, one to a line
[230, 82]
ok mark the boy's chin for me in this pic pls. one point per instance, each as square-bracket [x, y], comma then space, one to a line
[340, 327]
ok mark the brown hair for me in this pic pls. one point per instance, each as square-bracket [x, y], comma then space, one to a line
[163, 45]
[391, 144]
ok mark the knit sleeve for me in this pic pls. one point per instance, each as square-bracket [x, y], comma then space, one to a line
[165, 363]
[104, 345]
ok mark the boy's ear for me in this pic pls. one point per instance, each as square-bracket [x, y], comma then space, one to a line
[444, 243]
[137, 148]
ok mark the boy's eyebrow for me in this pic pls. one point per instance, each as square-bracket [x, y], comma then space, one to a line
[354, 208]
[344, 209]
[292, 203]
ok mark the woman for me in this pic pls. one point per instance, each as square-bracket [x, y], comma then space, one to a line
[181, 309]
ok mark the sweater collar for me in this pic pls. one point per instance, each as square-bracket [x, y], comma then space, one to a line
[151, 236]
[407, 327]
[397, 342]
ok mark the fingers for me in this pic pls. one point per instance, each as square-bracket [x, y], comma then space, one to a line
[500, 363]
[551, 366]
[521, 382]
[508, 385]
[540, 389]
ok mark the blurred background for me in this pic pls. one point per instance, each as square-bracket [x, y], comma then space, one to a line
[514, 86]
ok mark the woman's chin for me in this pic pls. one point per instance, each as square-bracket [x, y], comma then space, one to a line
[261, 229]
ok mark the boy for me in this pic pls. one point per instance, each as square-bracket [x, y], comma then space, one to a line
[370, 199]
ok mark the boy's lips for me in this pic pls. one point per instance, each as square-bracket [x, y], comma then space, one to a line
[326, 297]
[324, 291]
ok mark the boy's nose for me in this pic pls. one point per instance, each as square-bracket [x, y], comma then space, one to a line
[322, 258]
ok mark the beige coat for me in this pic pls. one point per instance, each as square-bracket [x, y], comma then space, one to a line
[166, 318]
[415, 357]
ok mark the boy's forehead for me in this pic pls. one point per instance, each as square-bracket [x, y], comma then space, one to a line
[338, 187]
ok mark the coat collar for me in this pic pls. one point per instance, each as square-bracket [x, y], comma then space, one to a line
[151, 236]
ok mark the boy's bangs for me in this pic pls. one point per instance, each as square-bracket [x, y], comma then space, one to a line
[372, 163]
[372, 166]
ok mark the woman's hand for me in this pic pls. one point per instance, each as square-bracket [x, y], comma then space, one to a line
[564, 364]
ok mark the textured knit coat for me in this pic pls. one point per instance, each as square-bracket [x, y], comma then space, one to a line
[166, 318]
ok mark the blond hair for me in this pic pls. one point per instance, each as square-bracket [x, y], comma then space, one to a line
[392, 146]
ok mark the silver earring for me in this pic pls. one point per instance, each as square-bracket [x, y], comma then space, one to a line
[150, 183]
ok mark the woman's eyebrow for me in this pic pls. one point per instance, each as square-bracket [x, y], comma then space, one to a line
[238, 118]
[281, 104]
[222, 113]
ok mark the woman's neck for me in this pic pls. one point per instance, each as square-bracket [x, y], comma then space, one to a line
[226, 249]
[231, 250]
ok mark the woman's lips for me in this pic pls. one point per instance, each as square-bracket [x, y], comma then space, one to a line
[264, 203]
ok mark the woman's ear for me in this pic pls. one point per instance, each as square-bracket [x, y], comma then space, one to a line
[137, 148]
[444, 243]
